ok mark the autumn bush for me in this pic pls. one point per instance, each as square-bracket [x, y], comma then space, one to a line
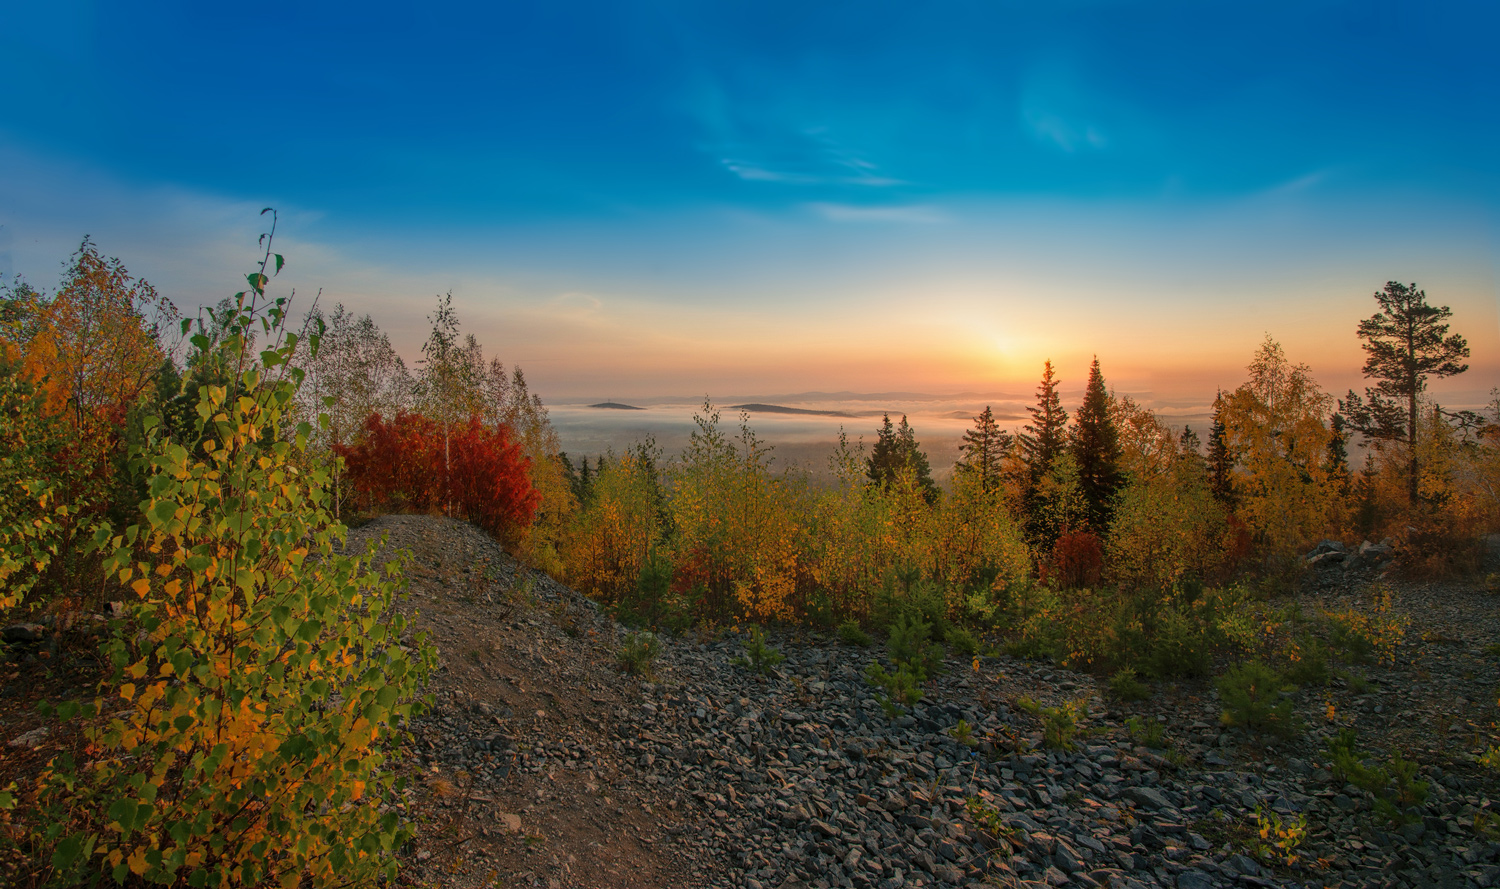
[610, 540]
[1077, 561]
[1160, 635]
[413, 463]
[241, 739]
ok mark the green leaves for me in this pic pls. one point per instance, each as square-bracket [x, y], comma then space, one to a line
[247, 642]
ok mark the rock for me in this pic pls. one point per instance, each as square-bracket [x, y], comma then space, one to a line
[23, 633]
[1194, 879]
[1146, 797]
[31, 739]
[1066, 859]
[1243, 864]
[510, 823]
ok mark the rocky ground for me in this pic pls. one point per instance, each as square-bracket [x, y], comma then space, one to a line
[543, 765]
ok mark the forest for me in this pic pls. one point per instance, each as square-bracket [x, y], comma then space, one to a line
[189, 481]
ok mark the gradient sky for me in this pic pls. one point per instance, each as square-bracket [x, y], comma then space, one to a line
[636, 199]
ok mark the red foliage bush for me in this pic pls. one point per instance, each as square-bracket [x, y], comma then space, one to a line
[1077, 561]
[400, 464]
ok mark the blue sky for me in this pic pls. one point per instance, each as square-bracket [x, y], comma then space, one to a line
[777, 197]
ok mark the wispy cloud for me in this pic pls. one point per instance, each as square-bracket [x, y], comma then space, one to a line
[772, 142]
[1058, 112]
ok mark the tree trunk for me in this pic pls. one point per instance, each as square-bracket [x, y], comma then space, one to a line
[1411, 441]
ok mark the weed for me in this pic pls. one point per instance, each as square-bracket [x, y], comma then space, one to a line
[1374, 635]
[1487, 825]
[1059, 724]
[988, 818]
[911, 642]
[1394, 786]
[849, 631]
[1492, 650]
[638, 653]
[962, 641]
[1251, 693]
[1357, 683]
[1150, 734]
[759, 656]
[1309, 663]
[904, 685]
[1125, 686]
[963, 733]
[1277, 838]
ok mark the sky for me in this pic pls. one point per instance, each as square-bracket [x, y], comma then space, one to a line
[634, 200]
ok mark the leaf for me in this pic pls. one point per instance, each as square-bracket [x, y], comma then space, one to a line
[257, 281]
[265, 211]
[280, 261]
[66, 853]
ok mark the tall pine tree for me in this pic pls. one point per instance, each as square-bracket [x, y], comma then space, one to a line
[1220, 461]
[1406, 342]
[982, 450]
[1047, 433]
[1096, 450]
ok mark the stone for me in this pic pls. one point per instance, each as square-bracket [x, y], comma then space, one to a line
[509, 822]
[1243, 864]
[1146, 797]
[23, 633]
[31, 739]
[1194, 879]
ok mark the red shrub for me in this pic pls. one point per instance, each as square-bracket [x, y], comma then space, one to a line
[484, 477]
[1077, 561]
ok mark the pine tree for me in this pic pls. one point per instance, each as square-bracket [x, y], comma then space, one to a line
[896, 449]
[982, 450]
[1338, 452]
[1406, 342]
[1190, 451]
[1220, 462]
[1047, 433]
[1096, 450]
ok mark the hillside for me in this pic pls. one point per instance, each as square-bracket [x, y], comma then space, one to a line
[543, 765]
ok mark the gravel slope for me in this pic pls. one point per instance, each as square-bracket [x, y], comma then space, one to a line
[542, 765]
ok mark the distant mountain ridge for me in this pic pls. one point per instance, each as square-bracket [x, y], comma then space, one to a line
[757, 408]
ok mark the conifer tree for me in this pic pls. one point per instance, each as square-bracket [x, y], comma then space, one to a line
[1047, 433]
[896, 448]
[1338, 451]
[1096, 449]
[1406, 342]
[982, 450]
[1220, 461]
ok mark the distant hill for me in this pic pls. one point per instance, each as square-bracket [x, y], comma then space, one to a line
[616, 406]
[782, 409]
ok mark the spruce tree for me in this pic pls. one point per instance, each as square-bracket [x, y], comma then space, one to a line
[982, 450]
[896, 449]
[1338, 452]
[1220, 462]
[1047, 433]
[1096, 450]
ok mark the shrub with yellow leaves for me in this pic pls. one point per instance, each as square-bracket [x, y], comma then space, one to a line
[241, 740]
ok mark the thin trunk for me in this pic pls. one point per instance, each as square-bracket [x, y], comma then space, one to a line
[1411, 437]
